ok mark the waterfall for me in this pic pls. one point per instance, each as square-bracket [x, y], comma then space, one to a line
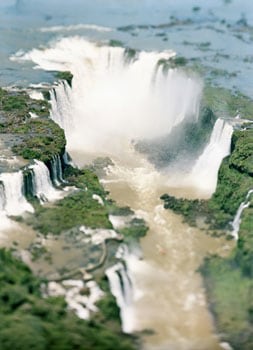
[43, 188]
[121, 286]
[114, 101]
[12, 199]
[56, 167]
[205, 171]
[237, 219]
[61, 111]
[66, 158]
[121, 289]
[2, 197]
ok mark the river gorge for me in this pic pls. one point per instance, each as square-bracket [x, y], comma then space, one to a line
[126, 175]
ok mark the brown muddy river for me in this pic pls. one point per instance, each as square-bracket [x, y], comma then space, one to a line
[170, 298]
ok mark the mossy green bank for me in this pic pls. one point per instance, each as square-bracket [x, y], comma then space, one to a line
[36, 138]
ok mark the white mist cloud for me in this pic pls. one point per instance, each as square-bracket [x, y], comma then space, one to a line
[112, 103]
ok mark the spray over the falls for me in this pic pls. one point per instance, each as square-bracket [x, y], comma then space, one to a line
[117, 95]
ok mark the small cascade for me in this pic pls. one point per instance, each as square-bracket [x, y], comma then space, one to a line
[120, 286]
[237, 220]
[66, 158]
[35, 95]
[12, 199]
[42, 185]
[122, 289]
[28, 176]
[205, 171]
[61, 111]
[56, 167]
[2, 197]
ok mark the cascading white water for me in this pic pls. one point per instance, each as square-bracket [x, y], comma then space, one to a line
[2, 197]
[57, 170]
[43, 188]
[121, 288]
[61, 110]
[205, 171]
[35, 95]
[119, 285]
[12, 200]
[237, 220]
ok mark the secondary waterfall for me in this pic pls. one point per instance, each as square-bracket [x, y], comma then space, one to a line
[2, 197]
[56, 166]
[205, 171]
[12, 199]
[43, 187]
[122, 289]
[237, 220]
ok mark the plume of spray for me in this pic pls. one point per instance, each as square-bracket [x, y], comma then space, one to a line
[115, 99]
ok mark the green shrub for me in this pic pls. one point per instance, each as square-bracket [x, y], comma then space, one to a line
[43, 139]
[77, 209]
[68, 76]
[230, 296]
[44, 324]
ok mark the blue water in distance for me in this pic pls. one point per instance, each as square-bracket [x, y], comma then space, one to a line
[216, 35]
